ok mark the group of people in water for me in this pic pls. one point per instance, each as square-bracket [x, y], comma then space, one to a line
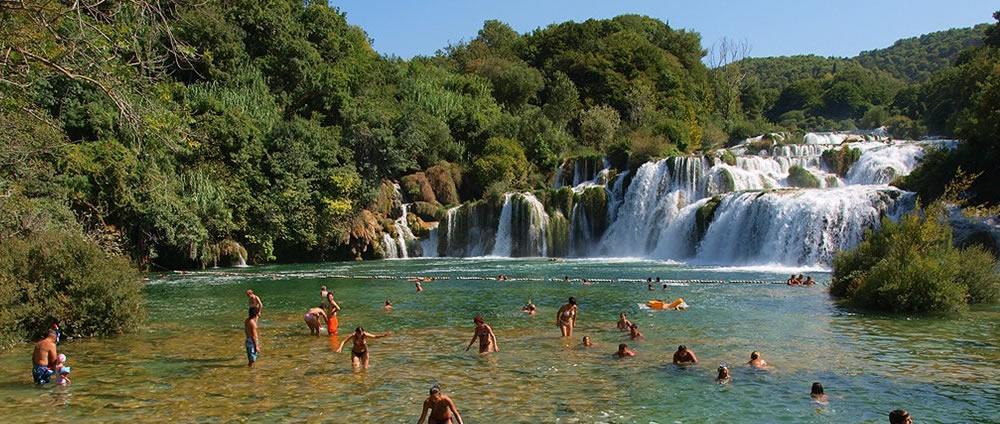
[797, 280]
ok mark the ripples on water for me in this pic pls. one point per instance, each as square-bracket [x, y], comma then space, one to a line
[187, 363]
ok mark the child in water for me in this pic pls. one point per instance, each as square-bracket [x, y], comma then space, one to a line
[63, 371]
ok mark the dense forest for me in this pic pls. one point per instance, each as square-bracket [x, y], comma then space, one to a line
[184, 134]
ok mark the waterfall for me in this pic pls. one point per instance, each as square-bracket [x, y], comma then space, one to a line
[879, 165]
[733, 207]
[429, 245]
[390, 247]
[504, 242]
[403, 234]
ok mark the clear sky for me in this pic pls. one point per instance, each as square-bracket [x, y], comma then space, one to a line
[781, 27]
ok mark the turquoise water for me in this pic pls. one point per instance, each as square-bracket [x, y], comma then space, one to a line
[187, 362]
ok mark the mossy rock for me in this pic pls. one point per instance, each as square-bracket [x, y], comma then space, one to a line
[704, 215]
[801, 178]
[839, 161]
[418, 227]
[560, 200]
[728, 158]
[416, 188]
[427, 211]
[728, 181]
[442, 179]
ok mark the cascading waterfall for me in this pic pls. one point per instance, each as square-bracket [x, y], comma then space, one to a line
[732, 208]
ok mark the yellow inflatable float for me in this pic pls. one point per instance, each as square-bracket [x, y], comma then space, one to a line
[675, 305]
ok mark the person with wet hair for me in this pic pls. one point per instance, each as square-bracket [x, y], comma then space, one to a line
[723, 376]
[359, 350]
[442, 409]
[900, 416]
[818, 395]
[756, 361]
[624, 351]
[685, 356]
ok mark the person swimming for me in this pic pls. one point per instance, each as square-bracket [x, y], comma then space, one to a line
[685, 356]
[791, 280]
[587, 342]
[900, 416]
[649, 283]
[315, 318]
[530, 308]
[809, 281]
[633, 332]
[566, 317]
[818, 395]
[723, 376]
[360, 357]
[623, 322]
[624, 351]
[442, 408]
[388, 305]
[756, 361]
[483, 332]
[420, 287]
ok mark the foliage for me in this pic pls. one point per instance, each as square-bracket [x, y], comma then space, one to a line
[598, 126]
[502, 163]
[840, 161]
[912, 267]
[801, 177]
[917, 58]
[57, 275]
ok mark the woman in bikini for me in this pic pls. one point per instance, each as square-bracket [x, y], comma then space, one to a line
[487, 339]
[566, 317]
[359, 351]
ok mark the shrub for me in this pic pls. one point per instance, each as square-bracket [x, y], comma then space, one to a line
[802, 178]
[57, 275]
[501, 166]
[646, 147]
[840, 161]
[911, 266]
[728, 158]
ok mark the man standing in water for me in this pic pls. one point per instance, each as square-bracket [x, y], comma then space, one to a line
[487, 339]
[254, 302]
[44, 358]
[315, 318]
[253, 339]
[756, 361]
[685, 356]
[566, 317]
[442, 409]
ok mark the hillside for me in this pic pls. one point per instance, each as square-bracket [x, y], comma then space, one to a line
[916, 58]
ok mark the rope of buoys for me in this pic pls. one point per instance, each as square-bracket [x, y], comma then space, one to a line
[543, 279]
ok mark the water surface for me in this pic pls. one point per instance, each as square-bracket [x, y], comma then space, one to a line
[187, 363]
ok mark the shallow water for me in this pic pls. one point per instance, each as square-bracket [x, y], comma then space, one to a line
[187, 363]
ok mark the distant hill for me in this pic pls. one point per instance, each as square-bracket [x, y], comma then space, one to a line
[915, 59]
[778, 72]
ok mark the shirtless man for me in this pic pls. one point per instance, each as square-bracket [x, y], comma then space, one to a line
[566, 317]
[633, 332]
[487, 339]
[530, 308]
[756, 361]
[44, 358]
[623, 322]
[442, 409]
[624, 351]
[809, 281]
[684, 356]
[323, 293]
[359, 351]
[388, 305]
[314, 319]
[791, 280]
[253, 338]
[253, 301]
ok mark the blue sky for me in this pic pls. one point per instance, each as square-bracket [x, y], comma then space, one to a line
[781, 27]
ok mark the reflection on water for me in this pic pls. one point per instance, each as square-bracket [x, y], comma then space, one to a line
[188, 362]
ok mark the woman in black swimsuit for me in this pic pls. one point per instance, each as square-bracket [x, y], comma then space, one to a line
[359, 351]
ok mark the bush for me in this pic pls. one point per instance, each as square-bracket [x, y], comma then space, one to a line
[840, 161]
[728, 158]
[912, 267]
[56, 275]
[646, 147]
[501, 166]
[802, 178]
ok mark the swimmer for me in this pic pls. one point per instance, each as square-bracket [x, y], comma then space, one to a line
[633, 332]
[587, 342]
[253, 338]
[791, 280]
[359, 351]
[900, 416]
[685, 356]
[313, 319]
[44, 358]
[809, 281]
[649, 284]
[442, 409]
[530, 308]
[254, 301]
[723, 376]
[623, 322]
[799, 279]
[487, 339]
[565, 278]
[756, 361]
[388, 305]
[624, 351]
[566, 317]
[420, 288]
[818, 395]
